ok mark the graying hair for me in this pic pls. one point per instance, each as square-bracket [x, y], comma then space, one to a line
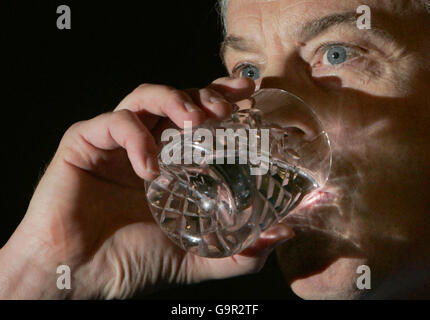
[426, 4]
[223, 9]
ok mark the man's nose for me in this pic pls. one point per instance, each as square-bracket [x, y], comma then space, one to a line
[288, 112]
[288, 72]
[298, 134]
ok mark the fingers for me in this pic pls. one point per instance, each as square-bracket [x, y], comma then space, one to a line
[218, 97]
[130, 125]
[234, 89]
[213, 103]
[121, 129]
[194, 105]
[163, 101]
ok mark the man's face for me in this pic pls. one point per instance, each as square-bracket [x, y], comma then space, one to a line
[371, 90]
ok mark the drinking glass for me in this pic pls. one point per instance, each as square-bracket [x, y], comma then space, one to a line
[235, 178]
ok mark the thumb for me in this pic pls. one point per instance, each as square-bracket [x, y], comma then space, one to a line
[250, 260]
[268, 240]
[254, 257]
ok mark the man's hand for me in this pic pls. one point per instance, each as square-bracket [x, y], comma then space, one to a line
[89, 210]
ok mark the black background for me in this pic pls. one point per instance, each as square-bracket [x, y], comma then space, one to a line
[53, 78]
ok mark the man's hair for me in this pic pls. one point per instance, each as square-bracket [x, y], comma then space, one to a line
[223, 8]
[426, 4]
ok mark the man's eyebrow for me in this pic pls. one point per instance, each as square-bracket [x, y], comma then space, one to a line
[235, 43]
[308, 31]
[316, 27]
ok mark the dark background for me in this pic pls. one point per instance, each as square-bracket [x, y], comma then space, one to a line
[53, 78]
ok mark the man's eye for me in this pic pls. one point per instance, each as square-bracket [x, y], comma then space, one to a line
[336, 55]
[247, 71]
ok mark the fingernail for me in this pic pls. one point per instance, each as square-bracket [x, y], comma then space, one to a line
[191, 107]
[278, 231]
[152, 165]
[285, 238]
[214, 99]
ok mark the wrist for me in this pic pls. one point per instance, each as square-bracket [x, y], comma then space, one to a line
[23, 276]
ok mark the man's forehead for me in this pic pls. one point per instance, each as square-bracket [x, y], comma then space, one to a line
[292, 13]
[297, 10]
[252, 20]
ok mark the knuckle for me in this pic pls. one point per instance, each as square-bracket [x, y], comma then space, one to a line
[129, 120]
[212, 92]
[143, 86]
[71, 134]
[171, 93]
[122, 118]
[123, 115]
[161, 90]
[75, 125]
[176, 93]
[178, 97]
[142, 89]
[223, 79]
[74, 128]
[206, 92]
[160, 87]
[243, 82]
